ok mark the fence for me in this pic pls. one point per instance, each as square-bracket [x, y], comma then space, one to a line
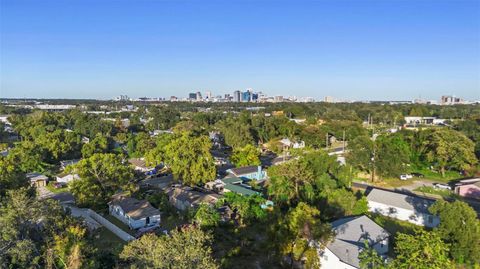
[110, 226]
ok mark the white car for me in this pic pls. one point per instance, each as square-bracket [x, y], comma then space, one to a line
[405, 177]
[442, 186]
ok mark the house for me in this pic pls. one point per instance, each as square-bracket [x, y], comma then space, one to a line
[468, 188]
[161, 183]
[351, 233]
[424, 121]
[248, 173]
[400, 206]
[281, 159]
[134, 213]
[184, 198]
[289, 144]
[37, 179]
[64, 164]
[66, 178]
[230, 184]
[139, 164]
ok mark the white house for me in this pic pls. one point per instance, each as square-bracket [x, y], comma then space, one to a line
[400, 206]
[67, 178]
[139, 164]
[134, 213]
[289, 144]
[351, 233]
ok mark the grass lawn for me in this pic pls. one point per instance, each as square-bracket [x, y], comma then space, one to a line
[243, 247]
[437, 177]
[394, 226]
[431, 190]
[119, 224]
[51, 188]
[103, 239]
[394, 182]
[171, 222]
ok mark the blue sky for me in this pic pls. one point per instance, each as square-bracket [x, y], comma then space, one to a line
[358, 50]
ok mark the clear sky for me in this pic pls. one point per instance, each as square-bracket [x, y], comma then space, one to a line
[377, 50]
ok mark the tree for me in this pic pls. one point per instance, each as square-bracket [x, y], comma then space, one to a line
[28, 156]
[101, 176]
[139, 144]
[206, 216]
[99, 144]
[342, 202]
[361, 153]
[290, 182]
[302, 225]
[248, 208]
[423, 250]
[190, 159]
[392, 156]
[449, 148]
[27, 226]
[246, 156]
[460, 228]
[369, 258]
[182, 249]
[162, 118]
[10, 176]
[69, 249]
[237, 134]
[158, 155]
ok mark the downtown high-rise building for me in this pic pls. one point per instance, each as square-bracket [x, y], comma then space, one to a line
[237, 96]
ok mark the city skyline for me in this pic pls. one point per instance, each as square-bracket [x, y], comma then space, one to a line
[370, 50]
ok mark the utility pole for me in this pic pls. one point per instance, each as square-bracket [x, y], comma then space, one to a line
[343, 141]
[326, 141]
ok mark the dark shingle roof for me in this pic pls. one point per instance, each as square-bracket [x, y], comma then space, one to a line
[135, 209]
[231, 180]
[193, 197]
[350, 235]
[244, 170]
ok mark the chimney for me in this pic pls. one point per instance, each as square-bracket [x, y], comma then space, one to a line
[259, 173]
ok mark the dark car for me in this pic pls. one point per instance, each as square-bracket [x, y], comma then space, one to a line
[417, 175]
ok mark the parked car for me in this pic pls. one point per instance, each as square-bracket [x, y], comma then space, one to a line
[441, 186]
[405, 177]
[417, 175]
[58, 185]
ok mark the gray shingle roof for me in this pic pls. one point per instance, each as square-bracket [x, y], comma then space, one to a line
[193, 197]
[244, 170]
[400, 200]
[351, 234]
[135, 209]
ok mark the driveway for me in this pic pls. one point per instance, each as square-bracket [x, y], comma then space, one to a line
[44, 193]
[414, 185]
[83, 212]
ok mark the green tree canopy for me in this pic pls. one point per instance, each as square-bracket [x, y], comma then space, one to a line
[449, 148]
[246, 156]
[422, 250]
[185, 249]
[206, 216]
[190, 159]
[460, 228]
[101, 175]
